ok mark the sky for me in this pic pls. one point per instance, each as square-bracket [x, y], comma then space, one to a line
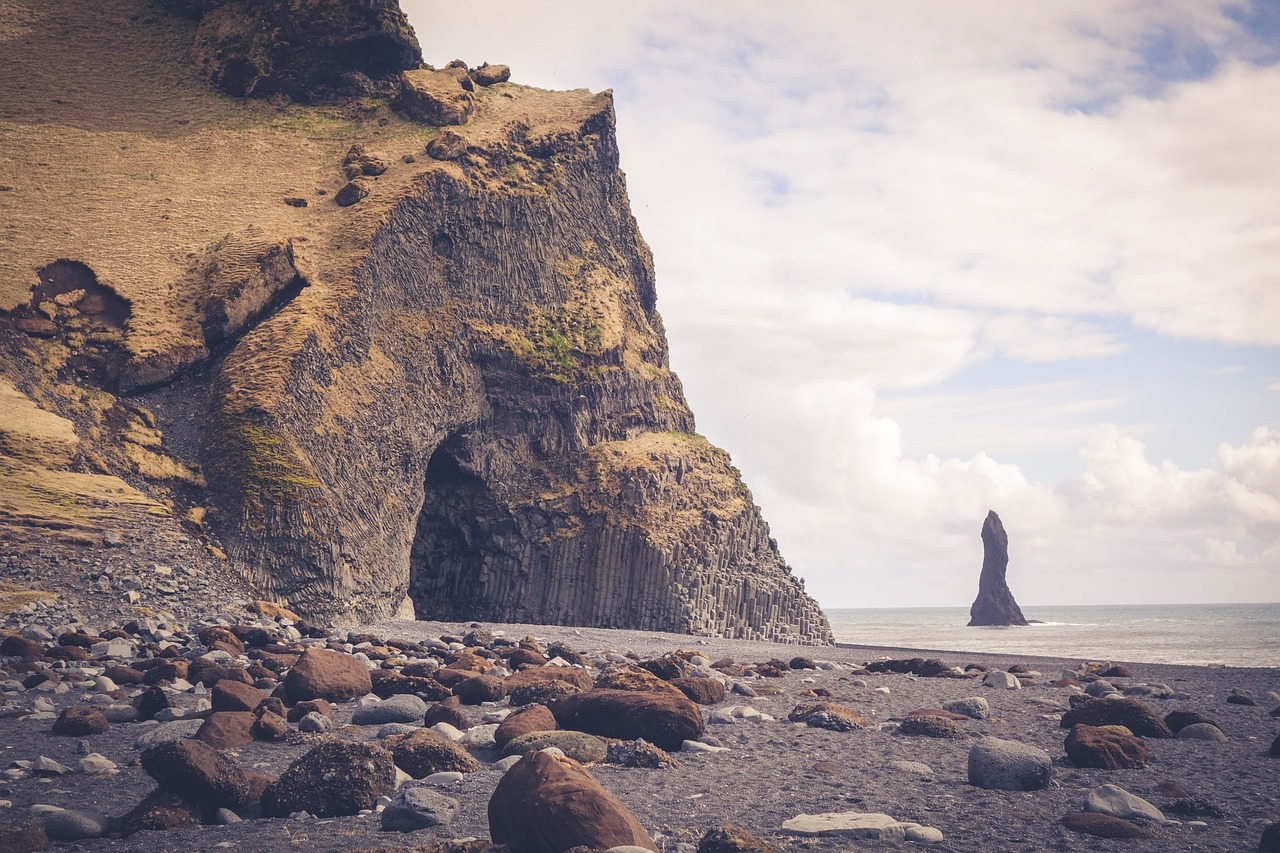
[922, 259]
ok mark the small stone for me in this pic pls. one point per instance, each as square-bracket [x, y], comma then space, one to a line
[1202, 731]
[871, 825]
[46, 766]
[1007, 765]
[1102, 826]
[295, 201]
[924, 834]
[975, 707]
[79, 721]
[1002, 680]
[225, 817]
[352, 192]
[97, 763]
[915, 767]
[315, 722]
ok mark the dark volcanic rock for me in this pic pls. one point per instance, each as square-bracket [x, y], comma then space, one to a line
[23, 838]
[326, 674]
[1102, 826]
[1104, 748]
[306, 49]
[424, 752]
[664, 719]
[1134, 715]
[828, 715]
[531, 718]
[159, 810]
[198, 774]
[335, 778]
[544, 803]
[994, 604]
[79, 721]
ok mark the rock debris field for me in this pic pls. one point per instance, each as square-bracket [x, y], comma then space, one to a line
[258, 731]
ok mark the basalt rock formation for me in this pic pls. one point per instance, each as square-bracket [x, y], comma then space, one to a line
[368, 364]
[994, 604]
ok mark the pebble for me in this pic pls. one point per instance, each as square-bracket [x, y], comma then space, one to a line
[1001, 680]
[448, 777]
[1117, 802]
[97, 763]
[699, 746]
[46, 766]
[916, 767]
[448, 731]
[1202, 731]
[975, 707]
[226, 817]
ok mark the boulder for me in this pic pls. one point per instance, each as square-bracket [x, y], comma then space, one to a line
[488, 75]
[387, 684]
[424, 752]
[1202, 731]
[326, 674]
[1133, 714]
[1117, 802]
[227, 729]
[931, 726]
[633, 678]
[437, 98]
[401, 708]
[729, 838]
[353, 191]
[828, 715]
[448, 711]
[198, 774]
[665, 719]
[269, 726]
[994, 604]
[580, 746]
[309, 50]
[1007, 765]
[301, 709]
[704, 691]
[1105, 748]
[639, 753]
[579, 678]
[478, 689]
[546, 803]
[1102, 826]
[530, 718]
[80, 721]
[23, 838]
[74, 825]
[334, 778]
[1178, 720]
[233, 696]
[447, 146]
[160, 810]
[1001, 680]
[418, 808]
[975, 707]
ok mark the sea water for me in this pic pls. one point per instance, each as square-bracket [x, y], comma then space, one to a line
[1230, 634]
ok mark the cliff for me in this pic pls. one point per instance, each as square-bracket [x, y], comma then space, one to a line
[994, 604]
[356, 359]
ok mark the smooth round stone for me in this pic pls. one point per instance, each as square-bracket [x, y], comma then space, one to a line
[445, 777]
[923, 834]
[418, 808]
[168, 733]
[396, 729]
[74, 825]
[975, 707]
[97, 763]
[120, 713]
[226, 817]
[1202, 731]
[401, 708]
[315, 722]
[916, 767]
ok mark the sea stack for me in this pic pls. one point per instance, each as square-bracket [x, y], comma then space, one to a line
[994, 604]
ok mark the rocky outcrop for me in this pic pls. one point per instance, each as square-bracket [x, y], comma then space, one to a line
[450, 397]
[994, 604]
[305, 49]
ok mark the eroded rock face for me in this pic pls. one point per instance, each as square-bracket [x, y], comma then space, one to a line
[484, 418]
[994, 604]
[306, 49]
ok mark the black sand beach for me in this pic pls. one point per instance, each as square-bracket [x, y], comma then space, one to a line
[1216, 796]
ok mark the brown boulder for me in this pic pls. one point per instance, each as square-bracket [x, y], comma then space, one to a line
[576, 676]
[124, 674]
[633, 678]
[1102, 826]
[198, 774]
[301, 709]
[732, 839]
[448, 711]
[1136, 716]
[828, 715]
[525, 658]
[23, 838]
[269, 726]
[234, 696]
[227, 729]
[218, 637]
[488, 75]
[478, 689]
[545, 803]
[387, 684]
[704, 691]
[21, 647]
[1105, 748]
[80, 721]
[335, 778]
[1179, 720]
[436, 98]
[325, 674]
[666, 719]
[928, 725]
[160, 810]
[168, 670]
[530, 718]
[540, 693]
[424, 752]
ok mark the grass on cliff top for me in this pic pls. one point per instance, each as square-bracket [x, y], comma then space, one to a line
[13, 596]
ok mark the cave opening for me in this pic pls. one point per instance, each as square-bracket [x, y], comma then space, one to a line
[460, 556]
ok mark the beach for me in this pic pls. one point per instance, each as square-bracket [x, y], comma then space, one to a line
[773, 770]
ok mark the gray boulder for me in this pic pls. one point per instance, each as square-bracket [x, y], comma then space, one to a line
[400, 708]
[1117, 802]
[418, 808]
[975, 707]
[74, 825]
[1007, 765]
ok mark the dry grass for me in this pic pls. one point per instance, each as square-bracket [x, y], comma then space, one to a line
[13, 596]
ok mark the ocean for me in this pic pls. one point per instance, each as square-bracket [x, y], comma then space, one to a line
[1200, 634]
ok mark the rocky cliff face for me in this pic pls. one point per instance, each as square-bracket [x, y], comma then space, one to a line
[450, 389]
[994, 604]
